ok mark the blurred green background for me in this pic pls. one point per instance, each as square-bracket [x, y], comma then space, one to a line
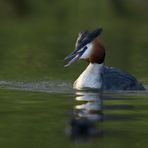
[36, 35]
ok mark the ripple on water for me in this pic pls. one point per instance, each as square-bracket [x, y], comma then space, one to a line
[53, 86]
[44, 86]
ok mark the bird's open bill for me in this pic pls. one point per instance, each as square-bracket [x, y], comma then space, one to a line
[74, 56]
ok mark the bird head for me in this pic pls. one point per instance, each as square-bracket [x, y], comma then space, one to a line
[88, 47]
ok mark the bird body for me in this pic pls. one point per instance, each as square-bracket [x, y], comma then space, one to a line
[97, 75]
[115, 79]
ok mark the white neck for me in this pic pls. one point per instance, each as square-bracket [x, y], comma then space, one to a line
[90, 78]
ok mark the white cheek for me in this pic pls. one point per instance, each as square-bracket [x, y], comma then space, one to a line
[88, 52]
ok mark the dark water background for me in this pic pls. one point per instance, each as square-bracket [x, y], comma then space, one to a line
[37, 102]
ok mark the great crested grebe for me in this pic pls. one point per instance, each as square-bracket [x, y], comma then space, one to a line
[97, 75]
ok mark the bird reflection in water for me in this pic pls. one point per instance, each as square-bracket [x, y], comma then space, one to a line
[86, 114]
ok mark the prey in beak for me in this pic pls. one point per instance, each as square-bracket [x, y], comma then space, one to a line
[83, 40]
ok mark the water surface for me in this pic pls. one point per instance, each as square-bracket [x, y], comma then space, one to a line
[31, 118]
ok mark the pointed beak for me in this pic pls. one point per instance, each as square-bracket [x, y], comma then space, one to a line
[77, 53]
[74, 56]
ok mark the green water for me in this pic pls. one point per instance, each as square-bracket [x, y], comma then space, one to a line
[37, 101]
[33, 119]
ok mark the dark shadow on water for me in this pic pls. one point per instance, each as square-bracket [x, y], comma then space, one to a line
[88, 115]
